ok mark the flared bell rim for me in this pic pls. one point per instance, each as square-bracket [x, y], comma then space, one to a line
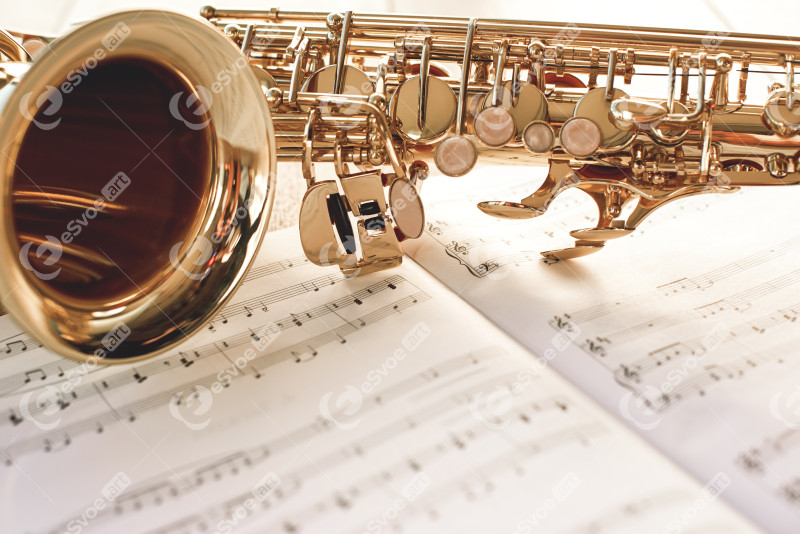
[241, 183]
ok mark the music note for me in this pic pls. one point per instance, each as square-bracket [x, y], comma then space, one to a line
[33, 372]
[21, 346]
[301, 357]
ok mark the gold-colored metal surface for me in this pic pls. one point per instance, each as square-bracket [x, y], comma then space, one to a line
[371, 96]
[524, 102]
[355, 81]
[440, 109]
[116, 244]
[595, 106]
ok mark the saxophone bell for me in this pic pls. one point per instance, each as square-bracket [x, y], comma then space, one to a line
[137, 178]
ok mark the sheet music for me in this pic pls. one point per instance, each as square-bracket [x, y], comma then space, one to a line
[685, 330]
[314, 403]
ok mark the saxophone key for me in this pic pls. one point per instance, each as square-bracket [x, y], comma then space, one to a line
[455, 156]
[578, 251]
[594, 106]
[600, 234]
[509, 210]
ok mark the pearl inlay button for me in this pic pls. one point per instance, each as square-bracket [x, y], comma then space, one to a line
[538, 137]
[580, 137]
[495, 126]
[455, 156]
[407, 209]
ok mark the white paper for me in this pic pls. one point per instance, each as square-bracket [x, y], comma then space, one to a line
[378, 404]
[685, 330]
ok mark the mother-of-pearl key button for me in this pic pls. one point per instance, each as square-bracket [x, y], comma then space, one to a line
[407, 210]
[495, 126]
[580, 136]
[539, 137]
[455, 156]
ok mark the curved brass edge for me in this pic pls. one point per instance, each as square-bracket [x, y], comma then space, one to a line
[241, 180]
[11, 48]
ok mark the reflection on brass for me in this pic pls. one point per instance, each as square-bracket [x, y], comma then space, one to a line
[136, 197]
[440, 107]
[596, 107]
[523, 101]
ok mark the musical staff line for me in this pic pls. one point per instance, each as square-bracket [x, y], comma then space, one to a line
[190, 478]
[246, 307]
[683, 285]
[344, 499]
[181, 358]
[740, 301]
[161, 399]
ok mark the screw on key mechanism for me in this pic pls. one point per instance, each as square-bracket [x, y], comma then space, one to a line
[348, 221]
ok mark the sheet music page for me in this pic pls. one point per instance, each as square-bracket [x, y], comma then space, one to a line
[318, 404]
[685, 330]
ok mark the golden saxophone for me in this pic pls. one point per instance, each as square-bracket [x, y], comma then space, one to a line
[139, 151]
